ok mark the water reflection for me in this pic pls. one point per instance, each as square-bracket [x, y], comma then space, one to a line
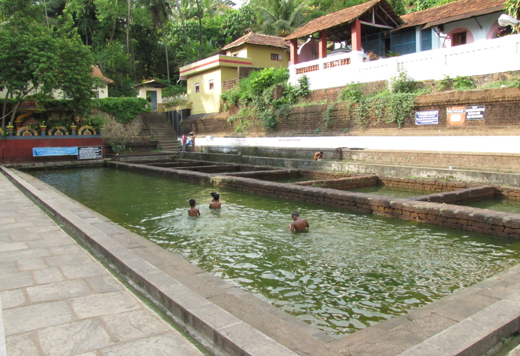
[348, 272]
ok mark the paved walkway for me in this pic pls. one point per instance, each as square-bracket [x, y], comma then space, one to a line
[56, 299]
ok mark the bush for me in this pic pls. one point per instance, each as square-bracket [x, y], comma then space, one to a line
[352, 92]
[401, 83]
[257, 92]
[123, 109]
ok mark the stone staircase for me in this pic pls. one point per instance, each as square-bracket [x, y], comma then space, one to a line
[162, 131]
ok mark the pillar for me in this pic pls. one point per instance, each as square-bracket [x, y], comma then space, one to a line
[322, 47]
[356, 35]
[293, 51]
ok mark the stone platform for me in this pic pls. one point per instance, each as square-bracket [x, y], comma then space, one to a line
[57, 299]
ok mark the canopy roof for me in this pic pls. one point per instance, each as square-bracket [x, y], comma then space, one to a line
[258, 39]
[452, 11]
[152, 83]
[376, 14]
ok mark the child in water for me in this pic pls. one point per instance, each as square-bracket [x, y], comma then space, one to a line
[193, 211]
[298, 223]
[215, 203]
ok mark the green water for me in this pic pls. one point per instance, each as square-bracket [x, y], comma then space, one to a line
[390, 192]
[504, 205]
[348, 272]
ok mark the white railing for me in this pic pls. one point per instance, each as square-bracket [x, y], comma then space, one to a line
[479, 58]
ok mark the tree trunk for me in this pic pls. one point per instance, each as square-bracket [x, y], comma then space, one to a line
[129, 52]
[181, 15]
[13, 115]
[4, 109]
[166, 53]
[200, 28]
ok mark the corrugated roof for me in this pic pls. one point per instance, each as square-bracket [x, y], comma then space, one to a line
[341, 17]
[258, 39]
[451, 12]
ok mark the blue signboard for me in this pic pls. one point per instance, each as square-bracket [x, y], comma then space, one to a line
[54, 151]
[427, 117]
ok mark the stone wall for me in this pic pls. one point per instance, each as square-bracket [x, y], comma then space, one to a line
[461, 196]
[453, 216]
[435, 159]
[502, 107]
[343, 183]
[229, 84]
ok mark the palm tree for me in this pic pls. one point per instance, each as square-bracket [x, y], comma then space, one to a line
[160, 12]
[282, 17]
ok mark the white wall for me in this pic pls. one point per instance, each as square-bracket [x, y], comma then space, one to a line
[482, 144]
[479, 58]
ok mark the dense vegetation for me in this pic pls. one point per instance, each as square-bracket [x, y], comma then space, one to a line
[135, 40]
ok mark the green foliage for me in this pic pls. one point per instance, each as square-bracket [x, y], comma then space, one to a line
[174, 90]
[463, 83]
[96, 121]
[120, 148]
[257, 92]
[458, 83]
[123, 109]
[327, 118]
[261, 80]
[352, 92]
[231, 96]
[512, 8]
[36, 56]
[401, 83]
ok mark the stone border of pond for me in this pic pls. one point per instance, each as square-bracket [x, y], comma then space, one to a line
[433, 209]
[233, 322]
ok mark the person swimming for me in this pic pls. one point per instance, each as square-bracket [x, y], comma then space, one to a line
[215, 203]
[298, 223]
[192, 211]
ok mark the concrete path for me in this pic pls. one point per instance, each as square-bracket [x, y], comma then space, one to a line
[56, 299]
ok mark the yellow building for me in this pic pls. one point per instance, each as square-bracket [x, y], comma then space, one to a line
[206, 77]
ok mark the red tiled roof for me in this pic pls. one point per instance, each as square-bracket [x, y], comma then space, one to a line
[340, 17]
[258, 39]
[452, 11]
[96, 72]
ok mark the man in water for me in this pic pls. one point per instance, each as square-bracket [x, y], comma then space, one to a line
[193, 211]
[298, 223]
[215, 203]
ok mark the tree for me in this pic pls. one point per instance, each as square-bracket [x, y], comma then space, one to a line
[160, 12]
[282, 17]
[36, 60]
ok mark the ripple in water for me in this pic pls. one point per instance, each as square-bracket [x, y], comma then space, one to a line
[348, 272]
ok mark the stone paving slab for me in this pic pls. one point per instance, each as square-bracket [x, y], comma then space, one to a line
[56, 299]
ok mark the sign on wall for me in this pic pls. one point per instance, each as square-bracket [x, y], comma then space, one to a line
[90, 152]
[427, 117]
[54, 151]
[475, 112]
[457, 115]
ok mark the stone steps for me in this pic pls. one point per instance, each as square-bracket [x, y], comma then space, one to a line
[161, 129]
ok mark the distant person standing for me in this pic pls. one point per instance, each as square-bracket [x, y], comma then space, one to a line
[215, 203]
[193, 141]
[184, 142]
[318, 156]
[298, 223]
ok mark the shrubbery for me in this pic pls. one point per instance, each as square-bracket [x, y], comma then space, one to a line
[257, 94]
[123, 109]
